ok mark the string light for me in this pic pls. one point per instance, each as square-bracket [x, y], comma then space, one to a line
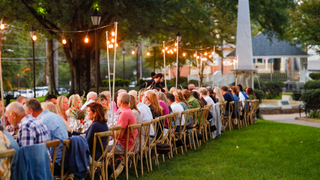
[205, 53]
[108, 42]
[168, 52]
[64, 41]
[110, 46]
[86, 39]
[34, 37]
[133, 52]
[2, 26]
[148, 53]
[163, 50]
[112, 40]
[112, 33]
[175, 44]
[194, 55]
[166, 48]
[210, 56]
[184, 54]
[117, 45]
[171, 51]
[175, 49]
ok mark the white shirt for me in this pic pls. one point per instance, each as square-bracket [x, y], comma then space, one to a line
[86, 104]
[146, 115]
[241, 97]
[176, 107]
[210, 101]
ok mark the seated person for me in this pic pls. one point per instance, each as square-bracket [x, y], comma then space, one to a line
[96, 112]
[126, 118]
[51, 98]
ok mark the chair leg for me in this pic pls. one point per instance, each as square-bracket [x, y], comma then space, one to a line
[189, 136]
[135, 166]
[150, 159]
[92, 171]
[141, 159]
[185, 144]
[127, 167]
[193, 140]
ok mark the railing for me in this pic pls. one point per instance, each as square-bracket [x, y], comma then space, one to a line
[280, 76]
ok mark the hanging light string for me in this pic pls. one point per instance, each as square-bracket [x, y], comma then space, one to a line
[59, 31]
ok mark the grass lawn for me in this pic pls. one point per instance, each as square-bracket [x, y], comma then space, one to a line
[267, 150]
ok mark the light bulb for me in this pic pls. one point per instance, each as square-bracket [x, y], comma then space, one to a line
[184, 54]
[175, 44]
[148, 53]
[34, 37]
[86, 39]
[205, 53]
[168, 52]
[175, 49]
[198, 57]
[166, 48]
[194, 55]
[64, 41]
[2, 26]
[108, 42]
[112, 33]
[133, 52]
[171, 51]
[112, 40]
[163, 50]
[210, 56]
[110, 46]
[117, 45]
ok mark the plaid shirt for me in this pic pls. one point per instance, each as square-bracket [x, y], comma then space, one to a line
[32, 131]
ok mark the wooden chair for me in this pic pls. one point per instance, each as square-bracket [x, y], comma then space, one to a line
[55, 145]
[238, 113]
[144, 143]
[183, 132]
[100, 163]
[222, 111]
[207, 123]
[131, 153]
[67, 175]
[172, 132]
[204, 125]
[153, 143]
[193, 114]
[229, 115]
[110, 155]
[246, 109]
[253, 110]
[166, 132]
[9, 155]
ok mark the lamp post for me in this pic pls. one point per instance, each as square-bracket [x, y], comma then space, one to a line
[177, 71]
[154, 44]
[33, 36]
[96, 18]
[124, 53]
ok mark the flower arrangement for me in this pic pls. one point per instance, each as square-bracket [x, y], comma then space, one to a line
[106, 107]
[76, 113]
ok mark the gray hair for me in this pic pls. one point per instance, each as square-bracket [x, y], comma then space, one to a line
[17, 108]
[134, 93]
[92, 95]
[50, 106]
[33, 104]
[124, 97]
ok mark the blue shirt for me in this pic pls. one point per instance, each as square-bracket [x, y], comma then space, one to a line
[13, 145]
[56, 127]
[228, 97]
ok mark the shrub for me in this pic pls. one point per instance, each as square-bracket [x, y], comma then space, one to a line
[195, 82]
[312, 85]
[311, 98]
[118, 82]
[259, 94]
[258, 85]
[315, 76]
[296, 96]
[273, 88]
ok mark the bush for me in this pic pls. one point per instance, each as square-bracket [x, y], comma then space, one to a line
[258, 85]
[296, 96]
[312, 85]
[195, 82]
[311, 98]
[259, 94]
[315, 76]
[118, 82]
[273, 89]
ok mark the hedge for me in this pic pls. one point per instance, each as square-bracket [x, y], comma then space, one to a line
[118, 82]
[311, 98]
[273, 88]
[312, 85]
[315, 76]
[259, 94]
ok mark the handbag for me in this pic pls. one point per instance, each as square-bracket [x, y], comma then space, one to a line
[213, 128]
[200, 137]
[189, 125]
[163, 148]
[209, 116]
[179, 143]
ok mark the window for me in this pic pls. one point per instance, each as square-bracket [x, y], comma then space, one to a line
[254, 61]
[259, 61]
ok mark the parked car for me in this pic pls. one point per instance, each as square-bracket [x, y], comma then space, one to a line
[28, 93]
[62, 91]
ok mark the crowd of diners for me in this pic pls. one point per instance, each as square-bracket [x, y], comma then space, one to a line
[27, 121]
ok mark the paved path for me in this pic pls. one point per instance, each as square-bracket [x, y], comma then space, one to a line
[290, 119]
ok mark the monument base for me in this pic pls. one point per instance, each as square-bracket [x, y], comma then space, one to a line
[244, 77]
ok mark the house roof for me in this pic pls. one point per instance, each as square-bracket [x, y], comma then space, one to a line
[262, 46]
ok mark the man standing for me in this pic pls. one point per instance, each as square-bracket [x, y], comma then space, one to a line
[192, 102]
[51, 98]
[55, 124]
[31, 131]
[157, 83]
[91, 97]
[126, 118]
[149, 82]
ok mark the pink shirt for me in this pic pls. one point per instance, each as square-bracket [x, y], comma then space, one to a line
[114, 106]
[126, 118]
[165, 110]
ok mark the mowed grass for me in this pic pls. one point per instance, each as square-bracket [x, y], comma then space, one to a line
[267, 150]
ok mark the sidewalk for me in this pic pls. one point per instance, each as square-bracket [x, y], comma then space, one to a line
[290, 119]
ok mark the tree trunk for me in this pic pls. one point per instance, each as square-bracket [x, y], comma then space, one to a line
[93, 69]
[78, 56]
[50, 53]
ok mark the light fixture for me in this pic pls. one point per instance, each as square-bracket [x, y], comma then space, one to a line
[148, 53]
[163, 50]
[64, 41]
[96, 18]
[168, 51]
[108, 42]
[133, 52]
[86, 39]
[117, 45]
[110, 46]
[166, 48]
[112, 40]
[210, 56]
[205, 53]
[198, 57]
[112, 33]
[204, 59]
[179, 36]
[123, 51]
[2, 26]
[32, 32]
[171, 51]
[175, 44]
[194, 55]
[175, 49]
[184, 54]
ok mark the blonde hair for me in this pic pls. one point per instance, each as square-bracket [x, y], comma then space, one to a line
[203, 91]
[154, 101]
[133, 104]
[163, 97]
[141, 94]
[218, 92]
[50, 106]
[74, 100]
[60, 104]
[180, 97]
[172, 90]
[106, 93]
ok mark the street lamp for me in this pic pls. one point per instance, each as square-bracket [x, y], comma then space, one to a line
[96, 18]
[154, 44]
[178, 40]
[124, 53]
[33, 36]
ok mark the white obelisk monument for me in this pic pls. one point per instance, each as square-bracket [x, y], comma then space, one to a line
[244, 68]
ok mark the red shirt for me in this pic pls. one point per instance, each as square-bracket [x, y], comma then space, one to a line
[126, 118]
